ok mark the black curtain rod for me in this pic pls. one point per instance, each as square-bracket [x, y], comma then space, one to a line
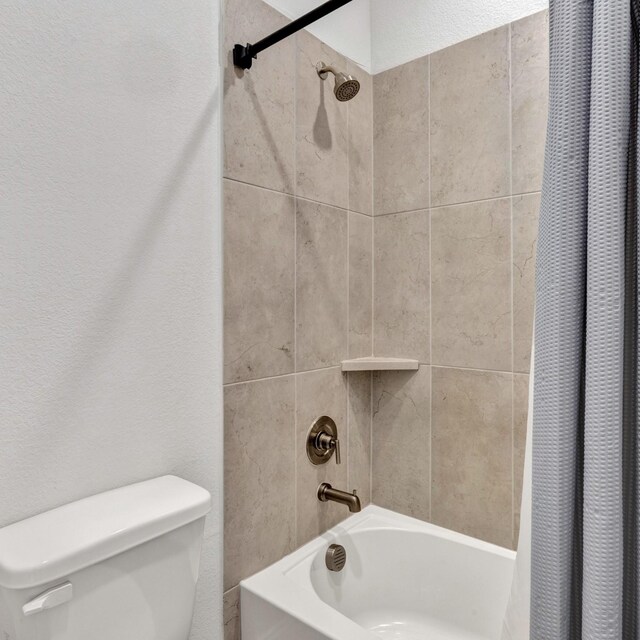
[243, 55]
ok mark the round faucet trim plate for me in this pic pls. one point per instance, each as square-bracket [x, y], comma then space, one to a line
[322, 426]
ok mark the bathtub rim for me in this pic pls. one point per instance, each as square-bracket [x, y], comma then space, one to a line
[276, 586]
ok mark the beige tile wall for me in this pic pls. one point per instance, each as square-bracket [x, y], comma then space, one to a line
[298, 243]
[454, 255]
[402, 222]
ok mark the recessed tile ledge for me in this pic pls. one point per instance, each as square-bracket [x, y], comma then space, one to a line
[374, 363]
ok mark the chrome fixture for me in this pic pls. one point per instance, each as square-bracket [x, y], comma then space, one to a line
[243, 55]
[346, 86]
[327, 493]
[335, 558]
[322, 441]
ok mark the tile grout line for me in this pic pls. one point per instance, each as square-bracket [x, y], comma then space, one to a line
[430, 300]
[511, 229]
[373, 285]
[338, 366]
[294, 195]
[348, 327]
[381, 215]
[448, 366]
[459, 204]
[295, 292]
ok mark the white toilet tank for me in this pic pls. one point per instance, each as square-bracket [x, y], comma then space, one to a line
[122, 565]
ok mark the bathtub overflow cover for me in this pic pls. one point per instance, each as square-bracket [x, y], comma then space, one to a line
[335, 558]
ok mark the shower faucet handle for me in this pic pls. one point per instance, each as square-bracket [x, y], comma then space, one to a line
[323, 441]
[329, 443]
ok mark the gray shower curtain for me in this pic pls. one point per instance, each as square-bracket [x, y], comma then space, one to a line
[585, 535]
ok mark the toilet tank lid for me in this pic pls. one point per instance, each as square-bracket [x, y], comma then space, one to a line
[57, 543]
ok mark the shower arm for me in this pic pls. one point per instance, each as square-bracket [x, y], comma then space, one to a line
[243, 55]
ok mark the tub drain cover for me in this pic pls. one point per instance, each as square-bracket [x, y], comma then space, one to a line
[336, 557]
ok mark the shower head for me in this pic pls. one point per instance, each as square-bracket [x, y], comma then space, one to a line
[346, 86]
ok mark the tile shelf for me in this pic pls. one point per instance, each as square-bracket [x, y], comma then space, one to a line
[375, 363]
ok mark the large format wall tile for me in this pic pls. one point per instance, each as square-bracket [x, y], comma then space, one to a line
[259, 103]
[529, 97]
[259, 247]
[361, 143]
[322, 285]
[401, 434]
[359, 418]
[470, 152]
[319, 393]
[471, 453]
[525, 234]
[259, 509]
[360, 286]
[471, 285]
[520, 414]
[401, 287]
[321, 123]
[231, 614]
[401, 138]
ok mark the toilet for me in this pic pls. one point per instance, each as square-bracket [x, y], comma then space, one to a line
[121, 565]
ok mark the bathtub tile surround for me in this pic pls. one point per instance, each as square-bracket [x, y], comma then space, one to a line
[525, 232]
[259, 268]
[322, 287]
[359, 436]
[529, 97]
[322, 166]
[259, 514]
[401, 128]
[360, 149]
[231, 614]
[298, 292]
[402, 439]
[471, 455]
[401, 280]
[432, 260]
[475, 299]
[259, 140]
[520, 414]
[322, 392]
[360, 285]
[469, 119]
[471, 285]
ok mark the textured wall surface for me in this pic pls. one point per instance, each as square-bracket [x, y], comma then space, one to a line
[401, 32]
[458, 151]
[379, 34]
[348, 31]
[110, 328]
[298, 234]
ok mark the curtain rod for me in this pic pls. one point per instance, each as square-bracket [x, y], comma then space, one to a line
[243, 55]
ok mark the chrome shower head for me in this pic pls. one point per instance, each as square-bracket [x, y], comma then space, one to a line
[346, 86]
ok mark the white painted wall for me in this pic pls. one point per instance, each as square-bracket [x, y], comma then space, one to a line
[110, 323]
[404, 31]
[348, 30]
[398, 31]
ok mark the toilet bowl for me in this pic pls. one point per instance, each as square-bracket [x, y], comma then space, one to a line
[121, 565]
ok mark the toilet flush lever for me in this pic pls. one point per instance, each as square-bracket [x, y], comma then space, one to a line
[49, 599]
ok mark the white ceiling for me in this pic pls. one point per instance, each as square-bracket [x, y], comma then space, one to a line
[381, 34]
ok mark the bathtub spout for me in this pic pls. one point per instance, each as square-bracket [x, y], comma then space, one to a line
[326, 492]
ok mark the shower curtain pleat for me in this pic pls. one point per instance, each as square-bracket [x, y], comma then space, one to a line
[585, 423]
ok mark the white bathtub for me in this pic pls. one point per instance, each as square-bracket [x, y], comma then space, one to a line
[404, 579]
